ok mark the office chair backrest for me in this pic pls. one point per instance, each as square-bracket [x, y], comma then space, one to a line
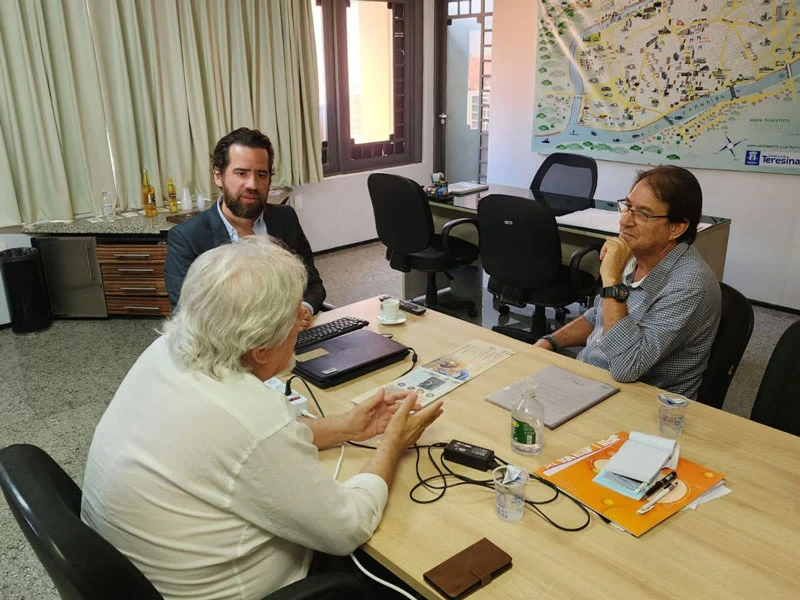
[569, 174]
[777, 403]
[735, 329]
[519, 241]
[47, 504]
[402, 213]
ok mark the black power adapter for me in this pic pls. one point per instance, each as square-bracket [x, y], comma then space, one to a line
[469, 455]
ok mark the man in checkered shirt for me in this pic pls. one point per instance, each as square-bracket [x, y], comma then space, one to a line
[657, 315]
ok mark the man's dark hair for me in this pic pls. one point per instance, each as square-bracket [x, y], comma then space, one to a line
[250, 138]
[680, 191]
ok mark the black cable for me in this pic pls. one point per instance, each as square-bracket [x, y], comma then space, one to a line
[414, 359]
[288, 392]
[429, 482]
[443, 480]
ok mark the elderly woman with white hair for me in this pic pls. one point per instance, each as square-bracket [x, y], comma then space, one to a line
[201, 475]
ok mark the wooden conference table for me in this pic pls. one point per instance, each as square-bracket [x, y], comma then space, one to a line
[744, 545]
[711, 242]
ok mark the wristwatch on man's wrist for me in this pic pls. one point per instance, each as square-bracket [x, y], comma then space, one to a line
[552, 341]
[618, 292]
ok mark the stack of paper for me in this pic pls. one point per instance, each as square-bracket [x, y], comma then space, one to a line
[462, 188]
[638, 463]
[599, 219]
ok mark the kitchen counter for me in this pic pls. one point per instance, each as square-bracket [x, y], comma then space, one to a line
[128, 223]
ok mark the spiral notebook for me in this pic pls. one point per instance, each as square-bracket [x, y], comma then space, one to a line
[564, 394]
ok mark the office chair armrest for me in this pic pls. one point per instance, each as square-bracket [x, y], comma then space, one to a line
[575, 264]
[452, 224]
[338, 585]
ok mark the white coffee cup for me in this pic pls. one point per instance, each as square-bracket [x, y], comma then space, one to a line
[201, 202]
[390, 309]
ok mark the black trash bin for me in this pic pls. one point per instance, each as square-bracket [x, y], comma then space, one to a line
[26, 291]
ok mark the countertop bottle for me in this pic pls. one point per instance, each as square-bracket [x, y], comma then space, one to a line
[172, 197]
[527, 421]
[108, 206]
[148, 196]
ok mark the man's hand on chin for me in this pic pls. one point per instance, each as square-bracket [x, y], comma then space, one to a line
[305, 317]
[614, 255]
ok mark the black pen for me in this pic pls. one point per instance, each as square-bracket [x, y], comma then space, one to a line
[660, 483]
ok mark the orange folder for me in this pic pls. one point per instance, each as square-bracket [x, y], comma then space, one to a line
[573, 475]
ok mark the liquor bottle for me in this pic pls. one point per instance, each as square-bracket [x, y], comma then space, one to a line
[148, 197]
[172, 196]
[527, 421]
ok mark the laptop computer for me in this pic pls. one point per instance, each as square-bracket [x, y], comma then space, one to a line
[340, 359]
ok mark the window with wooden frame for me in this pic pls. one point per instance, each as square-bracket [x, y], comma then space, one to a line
[369, 57]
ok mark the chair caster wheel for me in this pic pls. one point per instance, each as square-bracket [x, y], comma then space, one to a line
[504, 309]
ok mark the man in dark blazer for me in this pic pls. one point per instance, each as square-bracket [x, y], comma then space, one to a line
[243, 162]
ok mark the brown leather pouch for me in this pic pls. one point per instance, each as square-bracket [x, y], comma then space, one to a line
[470, 569]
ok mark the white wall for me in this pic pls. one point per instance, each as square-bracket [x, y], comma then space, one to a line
[763, 260]
[337, 211]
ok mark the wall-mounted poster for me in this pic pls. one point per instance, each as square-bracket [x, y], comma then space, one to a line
[712, 84]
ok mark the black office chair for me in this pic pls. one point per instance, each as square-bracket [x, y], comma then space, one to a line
[568, 174]
[83, 565]
[521, 251]
[735, 329]
[405, 226]
[776, 403]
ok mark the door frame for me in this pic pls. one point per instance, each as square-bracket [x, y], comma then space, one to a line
[440, 23]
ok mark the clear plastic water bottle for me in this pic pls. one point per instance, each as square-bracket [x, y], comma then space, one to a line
[527, 421]
[108, 206]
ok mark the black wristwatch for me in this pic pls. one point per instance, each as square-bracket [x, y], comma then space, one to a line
[618, 292]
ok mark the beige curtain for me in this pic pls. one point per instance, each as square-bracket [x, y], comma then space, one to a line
[176, 75]
[150, 84]
[53, 151]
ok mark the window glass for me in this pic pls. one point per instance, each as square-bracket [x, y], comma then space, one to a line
[323, 91]
[370, 69]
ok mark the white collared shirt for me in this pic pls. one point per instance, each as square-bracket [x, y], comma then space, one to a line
[259, 226]
[212, 488]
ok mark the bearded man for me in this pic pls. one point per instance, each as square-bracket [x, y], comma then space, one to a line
[243, 165]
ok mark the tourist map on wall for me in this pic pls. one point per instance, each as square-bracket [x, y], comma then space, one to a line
[698, 83]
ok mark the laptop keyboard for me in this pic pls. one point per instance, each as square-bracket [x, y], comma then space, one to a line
[327, 331]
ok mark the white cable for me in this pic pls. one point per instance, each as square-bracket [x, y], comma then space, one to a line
[339, 464]
[391, 586]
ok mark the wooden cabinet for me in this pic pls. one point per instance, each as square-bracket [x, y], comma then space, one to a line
[133, 278]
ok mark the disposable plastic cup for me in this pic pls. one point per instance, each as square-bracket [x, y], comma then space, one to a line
[186, 199]
[510, 496]
[671, 414]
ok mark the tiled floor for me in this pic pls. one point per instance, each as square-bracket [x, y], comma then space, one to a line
[55, 385]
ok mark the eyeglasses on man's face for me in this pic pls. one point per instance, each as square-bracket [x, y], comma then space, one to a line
[641, 217]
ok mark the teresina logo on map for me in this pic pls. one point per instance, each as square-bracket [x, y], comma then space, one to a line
[757, 157]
